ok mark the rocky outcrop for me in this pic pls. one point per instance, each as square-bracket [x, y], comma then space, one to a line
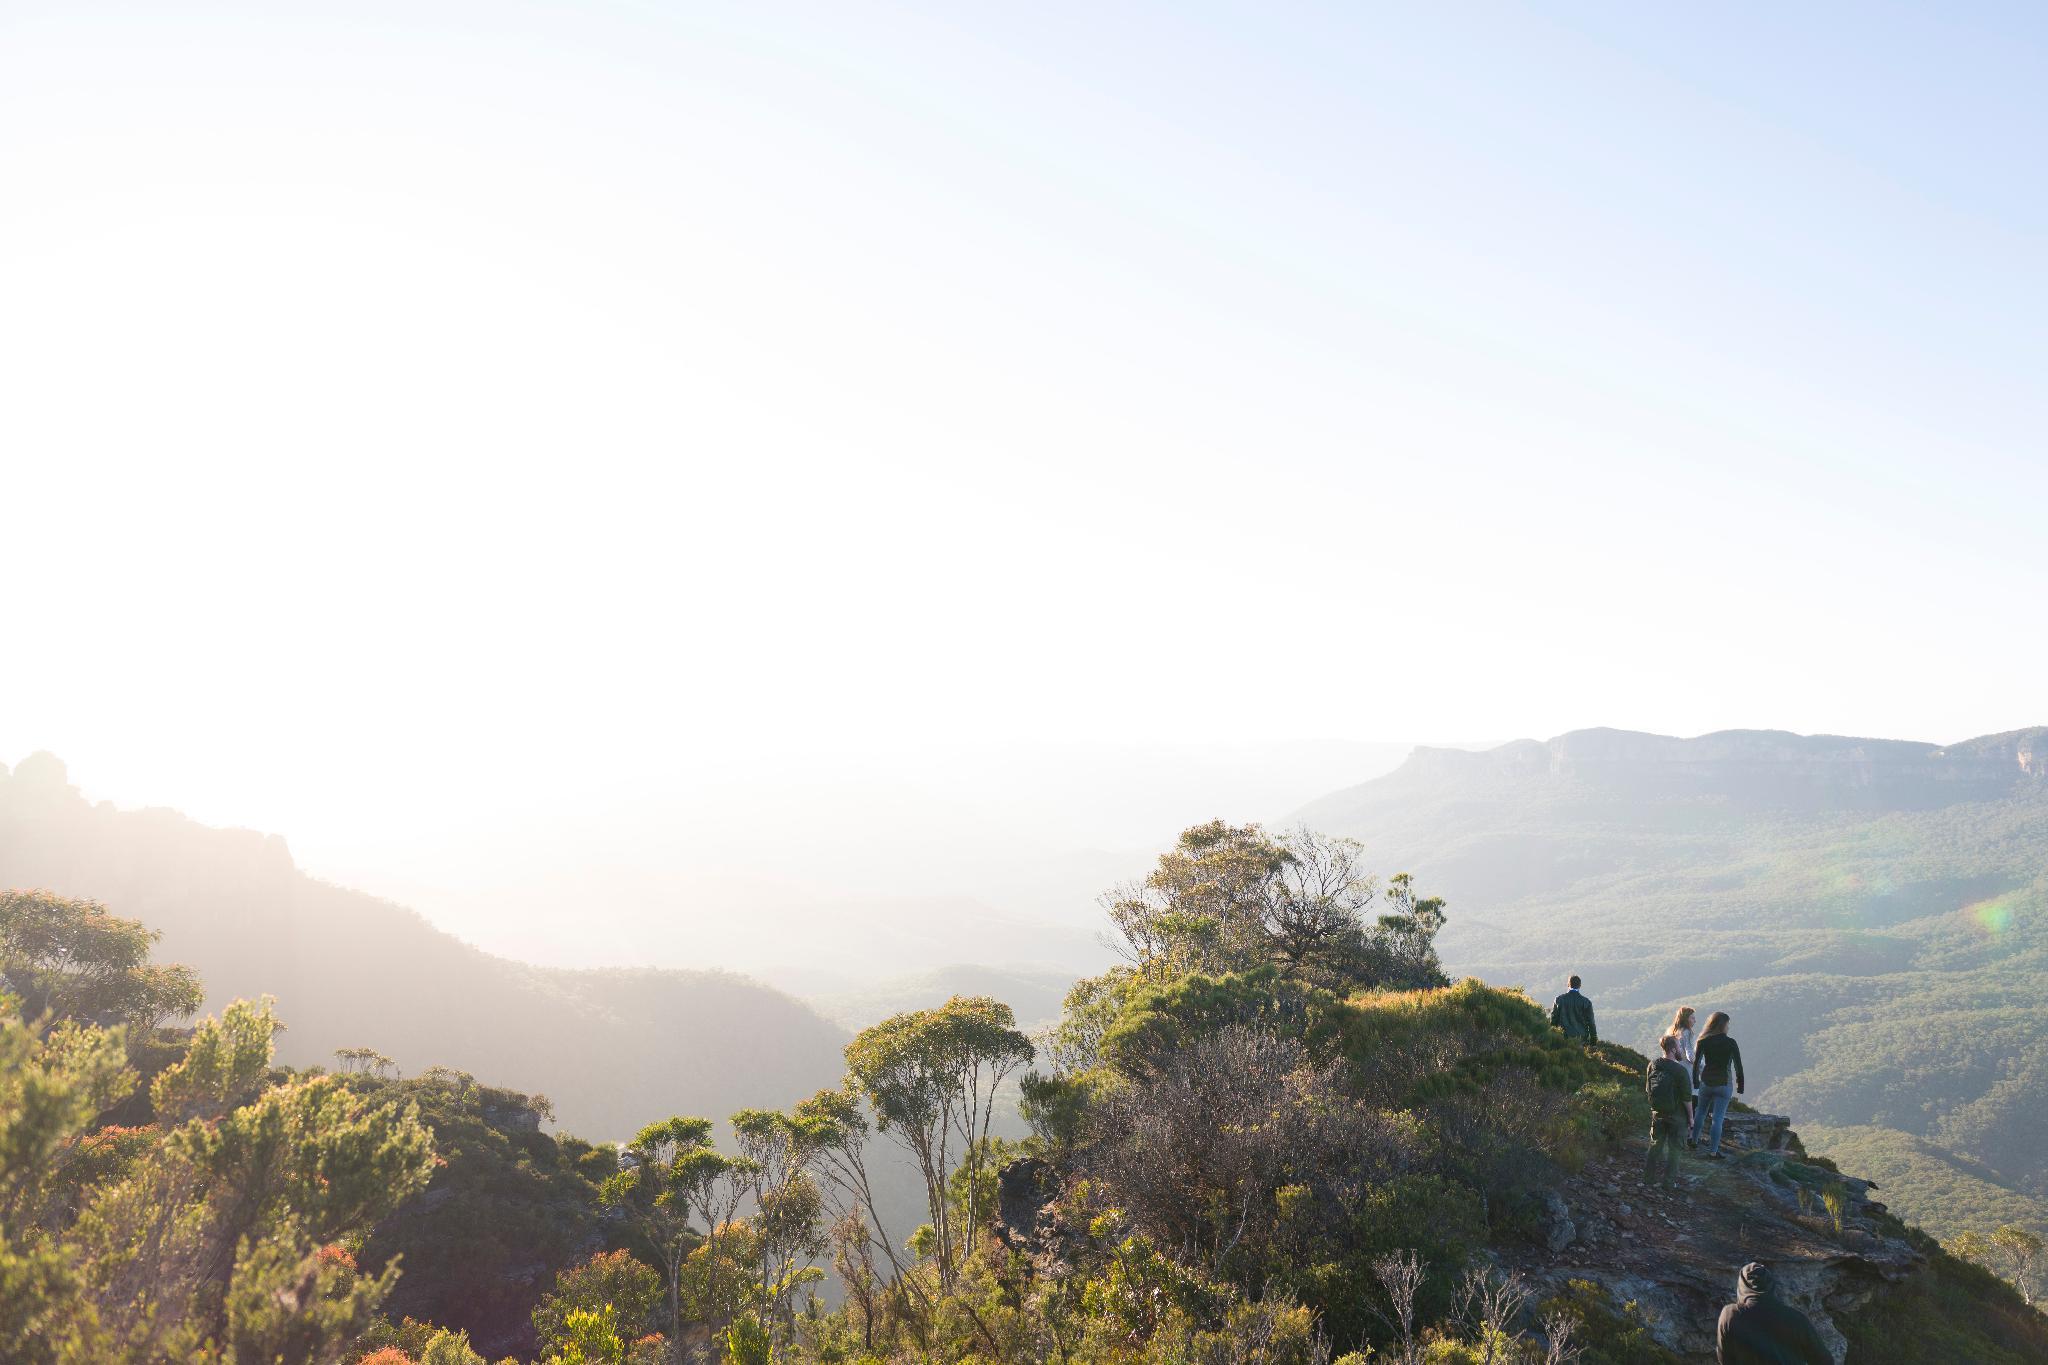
[1751, 1132]
[1024, 1190]
[1675, 1255]
[1555, 1223]
[1028, 1212]
[516, 1114]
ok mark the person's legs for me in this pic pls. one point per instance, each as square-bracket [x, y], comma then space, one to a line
[1724, 1095]
[1669, 1134]
[1699, 1112]
[1660, 1143]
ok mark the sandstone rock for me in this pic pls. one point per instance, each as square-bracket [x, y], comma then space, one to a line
[1023, 1189]
[1757, 1132]
[1556, 1222]
[1747, 1209]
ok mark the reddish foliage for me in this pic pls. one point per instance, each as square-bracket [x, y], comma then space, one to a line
[390, 1355]
[337, 1255]
[105, 1155]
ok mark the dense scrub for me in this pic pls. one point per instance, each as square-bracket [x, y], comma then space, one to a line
[508, 1207]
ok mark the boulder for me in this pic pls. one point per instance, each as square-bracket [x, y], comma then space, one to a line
[1757, 1132]
[1024, 1188]
[1555, 1220]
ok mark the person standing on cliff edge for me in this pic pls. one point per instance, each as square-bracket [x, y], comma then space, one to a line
[1574, 1014]
[1716, 1079]
[1760, 1328]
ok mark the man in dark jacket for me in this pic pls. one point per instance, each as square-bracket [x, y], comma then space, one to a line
[1759, 1328]
[1574, 1014]
[1670, 1089]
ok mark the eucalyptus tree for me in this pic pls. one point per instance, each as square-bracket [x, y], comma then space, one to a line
[837, 1129]
[673, 1173]
[789, 1207]
[931, 1077]
[71, 959]
[1232, 898]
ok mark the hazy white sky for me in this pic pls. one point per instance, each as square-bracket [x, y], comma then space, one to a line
[429, 407]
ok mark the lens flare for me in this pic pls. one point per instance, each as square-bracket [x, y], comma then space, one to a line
[1993, 916]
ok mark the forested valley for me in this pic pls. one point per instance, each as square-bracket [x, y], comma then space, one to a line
[1275, 1131]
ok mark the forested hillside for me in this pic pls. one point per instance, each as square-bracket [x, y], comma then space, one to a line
[608, 1048]
[1874, 915]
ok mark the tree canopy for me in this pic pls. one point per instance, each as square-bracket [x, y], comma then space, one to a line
[74, 959]
[1229, 898]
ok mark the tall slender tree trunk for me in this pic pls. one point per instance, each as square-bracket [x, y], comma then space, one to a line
[675, 1304]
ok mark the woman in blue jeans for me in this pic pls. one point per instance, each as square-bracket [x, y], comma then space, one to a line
[1716, 1078]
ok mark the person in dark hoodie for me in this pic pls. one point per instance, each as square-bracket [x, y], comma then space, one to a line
[1574, 1014]
[1760, 1328]
[1669, 1084]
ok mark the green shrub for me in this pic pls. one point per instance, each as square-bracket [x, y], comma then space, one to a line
[1601, 1115]
[614, 1280]
[1398, 1040]
[745, 1343]
[1056, 1107]
[1156, 1022]
[1951, 1311]
[1440, 1220]
[1607, 1336]
[1836, 1198]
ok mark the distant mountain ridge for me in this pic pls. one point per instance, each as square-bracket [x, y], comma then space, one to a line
[613, 1049]
[1765, 768]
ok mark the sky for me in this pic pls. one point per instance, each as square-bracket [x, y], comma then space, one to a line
[425, 424]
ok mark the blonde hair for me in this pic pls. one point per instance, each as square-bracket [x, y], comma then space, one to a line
[1682, 1020]
[1717, 1022]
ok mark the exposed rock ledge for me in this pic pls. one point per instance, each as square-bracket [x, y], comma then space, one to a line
[1675, 1256]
